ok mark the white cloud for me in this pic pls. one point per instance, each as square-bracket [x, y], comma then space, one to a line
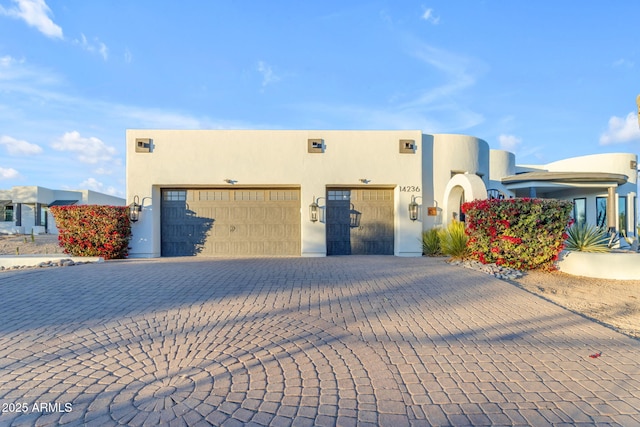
[8, 173]
[621, 130]
[88, 150]
[96, 47]
[36, 14]
[509, 142]
[19, 147]
[128, 56]
[268, 76]
[622, 62]
[95, 185]
[429, 16]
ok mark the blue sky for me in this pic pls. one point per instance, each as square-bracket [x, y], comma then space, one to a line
[546, 80]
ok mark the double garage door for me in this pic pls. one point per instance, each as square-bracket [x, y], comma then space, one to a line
[235, 222]
[266, 221]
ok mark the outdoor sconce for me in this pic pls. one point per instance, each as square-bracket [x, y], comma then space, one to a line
[134, 209]
[314, 211]
[414, 208]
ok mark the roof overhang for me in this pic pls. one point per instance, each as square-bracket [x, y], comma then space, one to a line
[559, 180]
[63, 203]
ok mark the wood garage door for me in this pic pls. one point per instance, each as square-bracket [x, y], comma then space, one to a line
[248, 221]
[360, 221]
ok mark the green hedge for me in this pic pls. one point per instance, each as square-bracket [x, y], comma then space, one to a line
[520, 233]
[93, 230]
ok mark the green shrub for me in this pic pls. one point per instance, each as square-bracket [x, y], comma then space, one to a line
[431, 242]
[453, 240]
[93, 230]
[519, 233]
[587, 238]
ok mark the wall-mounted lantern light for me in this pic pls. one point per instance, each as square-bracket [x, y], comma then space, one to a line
[134, 209]
[414, 208]
[316, 212]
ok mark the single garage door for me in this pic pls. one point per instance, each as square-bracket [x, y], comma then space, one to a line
[247, 221]
[360, 221]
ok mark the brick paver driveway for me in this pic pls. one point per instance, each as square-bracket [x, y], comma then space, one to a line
[325, 341]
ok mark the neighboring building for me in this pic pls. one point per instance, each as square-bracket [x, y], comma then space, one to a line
[317, 193]
[24, 210]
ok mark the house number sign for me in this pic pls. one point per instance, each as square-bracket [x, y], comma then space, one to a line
[410, 188]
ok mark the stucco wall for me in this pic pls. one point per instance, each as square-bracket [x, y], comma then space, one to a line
[444, 154]
[188, 158]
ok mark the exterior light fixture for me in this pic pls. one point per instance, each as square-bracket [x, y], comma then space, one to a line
[414, 208]
[230, 181]
[314, 211]
[365, 180]
[134, 209]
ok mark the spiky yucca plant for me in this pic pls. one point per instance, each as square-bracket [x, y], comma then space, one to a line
[431, 242]
[587, 238]
[453, 240]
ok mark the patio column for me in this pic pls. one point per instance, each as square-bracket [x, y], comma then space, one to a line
[532, 192]
[611, 208]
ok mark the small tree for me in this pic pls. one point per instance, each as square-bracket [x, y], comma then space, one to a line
[93, 230]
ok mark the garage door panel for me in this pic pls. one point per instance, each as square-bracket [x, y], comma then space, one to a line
[360, 221]
[230, 222]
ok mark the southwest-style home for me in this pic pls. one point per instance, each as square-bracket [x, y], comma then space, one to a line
[329, 192]
[25, 209]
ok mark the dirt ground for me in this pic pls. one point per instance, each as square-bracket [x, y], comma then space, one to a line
[615, 303]
[23, 245]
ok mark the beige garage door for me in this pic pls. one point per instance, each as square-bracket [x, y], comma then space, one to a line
[247, 221]
[360, 221]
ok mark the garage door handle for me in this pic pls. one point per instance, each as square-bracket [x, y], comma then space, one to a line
[232, 228]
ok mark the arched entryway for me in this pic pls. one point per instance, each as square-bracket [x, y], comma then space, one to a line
[461, 188]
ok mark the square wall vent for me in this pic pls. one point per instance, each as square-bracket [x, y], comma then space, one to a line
[315, 145]
[144, 145]
[407, 146]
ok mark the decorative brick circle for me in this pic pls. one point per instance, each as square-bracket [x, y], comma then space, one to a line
[254, 368]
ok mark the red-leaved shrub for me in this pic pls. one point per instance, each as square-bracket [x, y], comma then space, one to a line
[93, 230]
[520, 233]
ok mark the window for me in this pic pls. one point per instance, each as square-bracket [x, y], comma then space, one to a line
[43, 216]
[580, 211]
[622, 214]
[601, 212]
[175, 195]
[339, 194]
[6, 213]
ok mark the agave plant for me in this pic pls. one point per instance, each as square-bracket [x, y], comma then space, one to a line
[587, 238]
[453, 240]
[431, 242]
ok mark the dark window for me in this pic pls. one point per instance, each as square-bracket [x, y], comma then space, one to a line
[601, 212]
[580, 211]
[175, 195]
[622, 214]
[6, 213]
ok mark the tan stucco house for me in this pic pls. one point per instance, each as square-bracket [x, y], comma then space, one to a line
[330, 192]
